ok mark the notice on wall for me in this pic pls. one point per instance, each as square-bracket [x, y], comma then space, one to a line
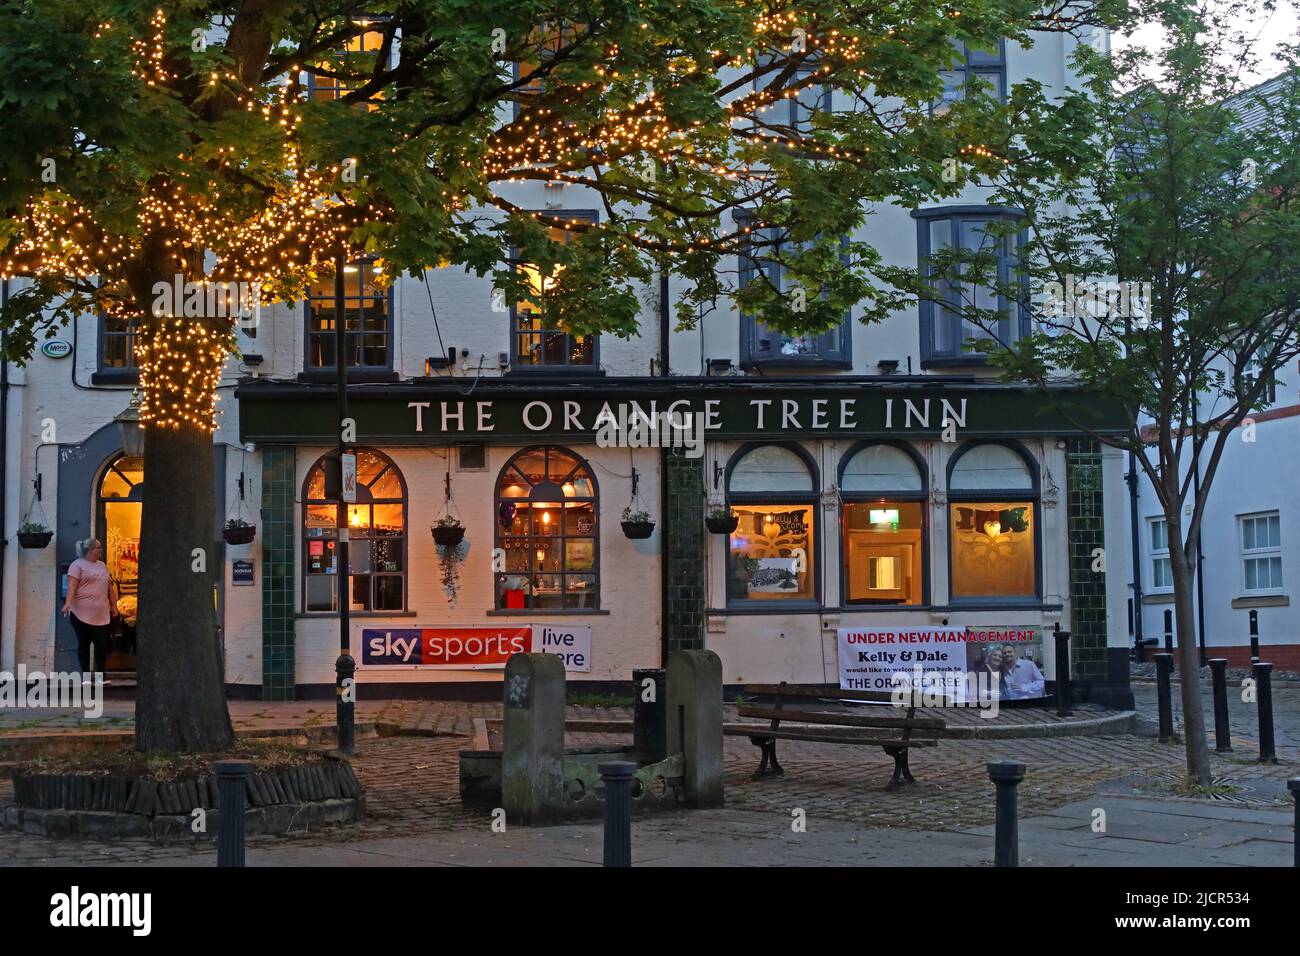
[959, 660]
[476, 647]
[241, 573]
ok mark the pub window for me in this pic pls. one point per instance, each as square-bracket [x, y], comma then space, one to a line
[1162, 574]
[117, 345]
[368, 317]
[376, 539]
[948, 334]
[539, 342]
[546, 526]
[1261, 551]
[762, 345]
[973, 66]
[884, 526]
[992, 503]
[772, 491]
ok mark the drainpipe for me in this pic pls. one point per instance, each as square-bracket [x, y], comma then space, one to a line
[1134, 535]
[1200, 557]
[4, 458]
[663, 473]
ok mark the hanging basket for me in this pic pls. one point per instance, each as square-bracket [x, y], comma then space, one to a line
[448, 536]
[243, 534]
[638, 529]
[35, 539]
[722, 524]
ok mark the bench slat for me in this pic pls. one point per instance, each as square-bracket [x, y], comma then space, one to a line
[815, 690]
[823, 736]
[838, 719]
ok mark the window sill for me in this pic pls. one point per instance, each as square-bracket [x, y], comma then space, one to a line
[1159, 597]
[355, 377]
[126, 376]
[1261, 600]
[770, 607]
[322, 615]
[796, 364]
[545, 371]
[546, 612]
[974, 360]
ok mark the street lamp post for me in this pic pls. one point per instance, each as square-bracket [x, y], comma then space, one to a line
[345, 668]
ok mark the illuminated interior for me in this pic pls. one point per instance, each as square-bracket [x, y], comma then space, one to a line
[882, 552]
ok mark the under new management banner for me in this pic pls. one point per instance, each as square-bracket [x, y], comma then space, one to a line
[1009, 658]
[475, 647]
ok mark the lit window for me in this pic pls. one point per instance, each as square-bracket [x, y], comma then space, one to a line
[992, 504]
[1162, 575]
[117, 344]
[884, 531]
[368, 313]
[349, 69]
[770, 554]
[376, 539]
[546, 526]
[1261, 551]
[539, 341]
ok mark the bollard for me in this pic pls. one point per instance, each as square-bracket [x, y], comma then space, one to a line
[1169, 631]
[1264, 698]
[650, 717]
[1254, 637]
[345, 671]
[232, 785]
[1006, 775]
[1164, 666]
[1219, 671]
[1294, 786]
[617, 776]
[1062, 670]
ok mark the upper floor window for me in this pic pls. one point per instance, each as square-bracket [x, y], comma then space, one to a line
[1162, 573]
[368, 320]
[950, 326]
[992, 503]
[546, 42]
[547, 527]
[376, 539]
[792, 113]
[1255, 370]
[763, 260]
[539, 341]
[334, 86]
[1261, 551]
[773, 493]
[117, 346]
[985, 67]
[883, 492]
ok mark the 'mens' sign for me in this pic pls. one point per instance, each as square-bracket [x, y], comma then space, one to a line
[473, 648]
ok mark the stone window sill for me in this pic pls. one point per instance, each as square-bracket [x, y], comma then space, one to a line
[1261, 600]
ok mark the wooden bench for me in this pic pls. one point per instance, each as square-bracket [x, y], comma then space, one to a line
[895, 729]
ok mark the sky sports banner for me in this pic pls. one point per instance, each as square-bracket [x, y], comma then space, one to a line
[1008, 657]
[475, 647]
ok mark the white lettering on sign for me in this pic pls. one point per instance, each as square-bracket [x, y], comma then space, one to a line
[528, 422]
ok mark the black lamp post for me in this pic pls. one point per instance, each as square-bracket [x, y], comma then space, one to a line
[345, 668]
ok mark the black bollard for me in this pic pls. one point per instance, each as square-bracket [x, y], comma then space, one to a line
[1062, 670]
[1169, 631]
[345, 690]
[1254, 636]
[1294, 786]
[1264, 698]
[1219, 672]
[232, 785]
[1006, 776]
[650, 716]
[1164, 667]
[617, 775]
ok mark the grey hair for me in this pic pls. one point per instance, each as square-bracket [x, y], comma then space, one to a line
[84, 546]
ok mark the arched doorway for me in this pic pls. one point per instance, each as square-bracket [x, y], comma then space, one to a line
[117, 524]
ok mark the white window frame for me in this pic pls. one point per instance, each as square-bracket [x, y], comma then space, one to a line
[1250, 554]
[1158, 554]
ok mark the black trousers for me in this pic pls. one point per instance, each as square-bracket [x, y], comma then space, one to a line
[88, 636]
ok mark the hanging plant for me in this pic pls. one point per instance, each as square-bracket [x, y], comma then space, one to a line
[34, 535]
[238, 531]
[637, 524]
[449, 535]
[448, 531]
[449, 562]
[720, 520]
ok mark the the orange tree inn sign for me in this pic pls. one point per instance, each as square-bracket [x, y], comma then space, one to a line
[509, 410]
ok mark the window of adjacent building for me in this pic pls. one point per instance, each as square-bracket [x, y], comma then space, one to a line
[546, 525]
[770, 554]
[884, 527]
[761, 345]
[1261, 551]
[1255, 369]
[540, 342]
[992, 505]
[987, 68]
[117, 345]
[376, 539]
[1162, 575]
[792, 114]
[368, 319]
[949, 334]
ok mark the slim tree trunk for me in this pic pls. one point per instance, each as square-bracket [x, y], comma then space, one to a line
[1186, 654]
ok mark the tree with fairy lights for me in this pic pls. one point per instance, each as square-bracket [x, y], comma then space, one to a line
[248, 141]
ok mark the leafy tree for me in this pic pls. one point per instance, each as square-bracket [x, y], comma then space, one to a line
[252, 140]
[1175, 189]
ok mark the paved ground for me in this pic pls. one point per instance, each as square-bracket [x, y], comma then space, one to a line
[415, 817]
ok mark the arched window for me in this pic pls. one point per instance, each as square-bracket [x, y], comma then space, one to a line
[376, 538]
[546, 525]
[992, 502]
[773, 492]
[884, 526]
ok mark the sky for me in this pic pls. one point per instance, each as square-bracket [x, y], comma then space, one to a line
[1268, 30]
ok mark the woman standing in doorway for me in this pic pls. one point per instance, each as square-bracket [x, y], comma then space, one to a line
[90, 603]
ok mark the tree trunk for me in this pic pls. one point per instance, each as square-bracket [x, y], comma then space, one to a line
[180, 701]
[1187, 657]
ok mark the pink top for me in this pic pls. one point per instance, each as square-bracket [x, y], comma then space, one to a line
[89, 586]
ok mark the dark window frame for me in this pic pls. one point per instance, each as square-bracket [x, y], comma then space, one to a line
[354, 370]
[974, 61]
[865, 497]
[130, 372]
[1019, 316]
[544, 368]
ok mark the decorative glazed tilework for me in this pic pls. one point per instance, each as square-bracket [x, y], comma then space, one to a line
[1084, 511]
[684, 553]
[278, 481]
